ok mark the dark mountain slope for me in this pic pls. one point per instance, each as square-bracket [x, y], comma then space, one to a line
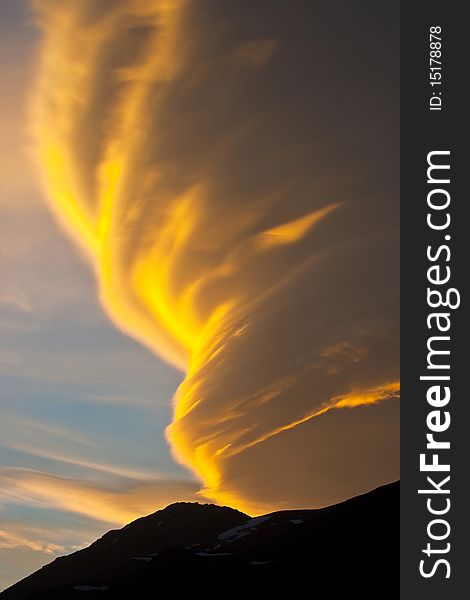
[210, 551]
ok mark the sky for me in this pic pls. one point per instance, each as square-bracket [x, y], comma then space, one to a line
[199, 261]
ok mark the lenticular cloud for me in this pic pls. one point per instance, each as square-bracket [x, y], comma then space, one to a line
[241, 225]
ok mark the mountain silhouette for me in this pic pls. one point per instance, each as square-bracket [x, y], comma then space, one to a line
[212, 551]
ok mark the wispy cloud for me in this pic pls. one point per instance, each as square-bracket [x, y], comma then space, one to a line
[32, 539]
[118, 503]
[39, 430]
[17, 299]
[61, 444]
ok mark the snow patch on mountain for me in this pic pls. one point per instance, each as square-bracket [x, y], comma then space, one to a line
[242, 530]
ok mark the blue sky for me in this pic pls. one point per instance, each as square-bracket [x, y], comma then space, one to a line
[79, 400]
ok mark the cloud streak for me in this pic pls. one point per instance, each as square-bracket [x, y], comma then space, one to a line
[233, 231]
[117, 503]
[11, 540]
[85, 508]
[17, 299]
[63, 445]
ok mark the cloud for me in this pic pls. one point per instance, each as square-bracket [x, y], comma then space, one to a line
[225, 182]
[118, 503]
[78, 511]
[37, 431]
[13, 540]
[18, 299]
[63, 445]
[63, 457]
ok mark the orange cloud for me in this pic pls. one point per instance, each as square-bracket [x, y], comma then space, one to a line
[216, 240]
[117, 504]
[12, 540]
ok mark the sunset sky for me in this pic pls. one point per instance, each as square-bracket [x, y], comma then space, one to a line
[199, 261]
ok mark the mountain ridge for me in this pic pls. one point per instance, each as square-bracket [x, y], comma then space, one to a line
[199, 548]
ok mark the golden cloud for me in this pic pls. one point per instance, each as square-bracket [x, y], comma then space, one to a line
[230, 228]
[119, 503]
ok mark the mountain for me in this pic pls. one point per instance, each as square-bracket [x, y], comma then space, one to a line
[212, 551]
